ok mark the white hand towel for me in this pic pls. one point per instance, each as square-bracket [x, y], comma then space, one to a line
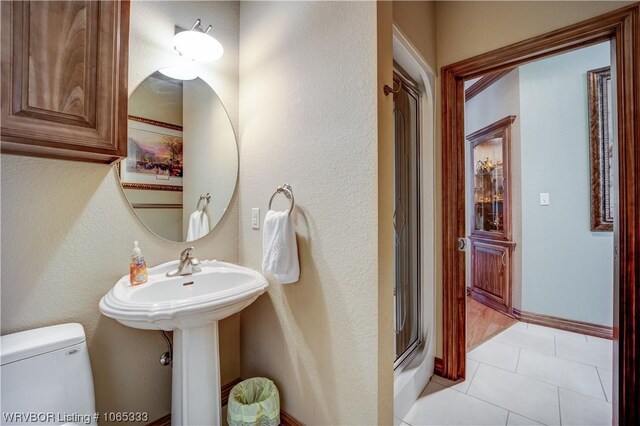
[279, 247]
[198, 225]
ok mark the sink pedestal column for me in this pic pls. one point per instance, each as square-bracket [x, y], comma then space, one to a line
[195, 398]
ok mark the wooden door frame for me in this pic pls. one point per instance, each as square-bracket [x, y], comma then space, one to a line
[622, 28]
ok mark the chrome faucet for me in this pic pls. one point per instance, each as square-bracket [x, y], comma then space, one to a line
[188, 264]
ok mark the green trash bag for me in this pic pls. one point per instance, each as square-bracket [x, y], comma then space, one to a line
[254, 402]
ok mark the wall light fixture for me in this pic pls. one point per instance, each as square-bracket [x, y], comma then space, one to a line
[197, 44]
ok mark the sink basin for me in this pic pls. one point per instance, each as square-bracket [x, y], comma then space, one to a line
[219, 290]
[191, 306]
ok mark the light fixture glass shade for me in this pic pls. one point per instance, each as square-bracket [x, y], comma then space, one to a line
[197, 45]
[180, 71]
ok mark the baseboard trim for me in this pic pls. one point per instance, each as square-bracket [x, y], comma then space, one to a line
[438, 366]
[493, 303]
[162, 421]
[587, 328]
[286, 419]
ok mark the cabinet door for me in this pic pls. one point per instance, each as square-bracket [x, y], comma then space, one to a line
[64, 79]
[491, 274]
[490, 169]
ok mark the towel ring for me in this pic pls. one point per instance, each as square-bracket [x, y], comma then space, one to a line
[287, 192]
[206, 198]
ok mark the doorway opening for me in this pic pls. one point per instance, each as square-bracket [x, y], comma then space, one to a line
[539, 275]
[622, 28]
[539, 200]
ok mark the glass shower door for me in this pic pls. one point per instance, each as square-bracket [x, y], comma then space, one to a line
[406, 218]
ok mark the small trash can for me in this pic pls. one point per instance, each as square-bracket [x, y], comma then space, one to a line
[254, 402]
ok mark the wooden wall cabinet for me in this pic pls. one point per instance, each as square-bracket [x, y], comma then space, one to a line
[64, 79]
[491, 244]
[491, 274]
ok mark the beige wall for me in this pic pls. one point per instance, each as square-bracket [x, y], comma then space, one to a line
[166, 223]
[417, 21]
[210, 152]
[386, 236]
[67, 233]
[158, 100]
[469, 28]
[465, 29]
[309, 118]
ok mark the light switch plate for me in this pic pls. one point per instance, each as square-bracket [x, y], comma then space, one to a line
[255, 218]
[544, 198]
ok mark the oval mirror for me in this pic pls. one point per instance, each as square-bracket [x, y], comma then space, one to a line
[182, 164]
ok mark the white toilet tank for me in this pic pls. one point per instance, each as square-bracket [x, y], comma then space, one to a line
[46, 377]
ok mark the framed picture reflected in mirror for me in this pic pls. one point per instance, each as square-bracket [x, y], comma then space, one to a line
[154, 160]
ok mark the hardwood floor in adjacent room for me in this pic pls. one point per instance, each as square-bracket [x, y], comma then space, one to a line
[483, 323]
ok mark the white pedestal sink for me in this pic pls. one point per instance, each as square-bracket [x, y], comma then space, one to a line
[191, 306]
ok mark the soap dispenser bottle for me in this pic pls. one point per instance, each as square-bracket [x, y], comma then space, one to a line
[137, 267]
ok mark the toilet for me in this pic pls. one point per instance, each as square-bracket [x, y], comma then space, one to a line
[46, 377]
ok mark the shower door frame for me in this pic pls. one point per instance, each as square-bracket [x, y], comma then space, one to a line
[401, 78]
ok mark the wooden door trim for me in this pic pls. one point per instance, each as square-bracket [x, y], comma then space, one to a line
[622, 27]
[484, 83]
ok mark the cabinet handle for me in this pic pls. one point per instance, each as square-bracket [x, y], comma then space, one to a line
[502, 259]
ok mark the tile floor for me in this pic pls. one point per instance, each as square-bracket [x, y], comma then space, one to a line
[526, 375]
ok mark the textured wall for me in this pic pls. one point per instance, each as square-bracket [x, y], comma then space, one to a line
[386, 236]
[308, 117]
[466, 29]
[67, 233]
[417, 21]
[469, 28]
[555, 158]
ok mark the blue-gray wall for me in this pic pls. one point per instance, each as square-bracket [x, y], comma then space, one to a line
[561, 268]
[567, 270]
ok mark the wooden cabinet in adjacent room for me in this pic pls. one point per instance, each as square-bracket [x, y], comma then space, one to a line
[491, 243]
[64, 79]
[491, 274]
